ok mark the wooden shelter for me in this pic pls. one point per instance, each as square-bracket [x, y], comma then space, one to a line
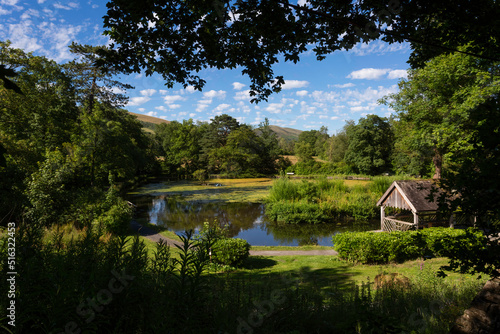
[410, 206]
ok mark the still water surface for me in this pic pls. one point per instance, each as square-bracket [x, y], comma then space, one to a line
[244, 220]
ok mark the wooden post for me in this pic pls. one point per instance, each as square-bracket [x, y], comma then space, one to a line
[415, 219]
[382, 217]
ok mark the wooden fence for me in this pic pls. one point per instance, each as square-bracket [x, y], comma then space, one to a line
[390, 224]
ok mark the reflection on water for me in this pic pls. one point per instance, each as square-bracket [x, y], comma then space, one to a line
[244, 220]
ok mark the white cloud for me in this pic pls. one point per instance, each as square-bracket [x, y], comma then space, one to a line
[148, 92]
[222, 107]
[238, 85]
[29, 13]
[118, 90]
[173, 98]
[9, 2]
[347, 85]
[321, 96]
[137, 101]
[161, 108]
[243, 96]
[294, 84]
[396, 74]
[205, 101]
[69, 6]
[201, 106]
[368, 73]
[379, 48]
[275, 108]
[211, 94]
[302, 93]
[152, 113]
[192, 114]
[174, 106]
[190, 89]
[21, 36]
[360, 109]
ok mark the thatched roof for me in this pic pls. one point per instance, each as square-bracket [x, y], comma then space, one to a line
[410, 195]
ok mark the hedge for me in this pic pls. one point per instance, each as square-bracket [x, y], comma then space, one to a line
[385, 247]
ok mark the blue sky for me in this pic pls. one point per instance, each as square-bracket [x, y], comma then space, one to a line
[344, 86]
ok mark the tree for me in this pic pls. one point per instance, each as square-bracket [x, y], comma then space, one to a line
[271, 150]
[95, 81]
[215, 139]
[244, 153]
[304, 151]
[410, 156]
[40, 120]
[336, 146]
[370, 145]
[314, 138]
[452, 107]
[180, 38]
[181, 145]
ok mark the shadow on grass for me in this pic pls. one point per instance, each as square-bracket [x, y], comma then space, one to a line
[259, 262]
[262, 273]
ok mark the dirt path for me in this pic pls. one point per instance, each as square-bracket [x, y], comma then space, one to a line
[155, 237]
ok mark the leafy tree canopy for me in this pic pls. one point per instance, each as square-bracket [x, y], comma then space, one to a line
[370, 145]
[451, 107]
[178, 39]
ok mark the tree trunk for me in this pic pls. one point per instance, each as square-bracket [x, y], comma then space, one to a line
[438, 163]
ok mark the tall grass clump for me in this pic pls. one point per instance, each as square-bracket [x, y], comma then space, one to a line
[380, 184]
[323, 200]
[283, 190]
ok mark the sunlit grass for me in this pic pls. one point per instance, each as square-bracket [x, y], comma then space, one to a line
[324, 270]
[253, 190]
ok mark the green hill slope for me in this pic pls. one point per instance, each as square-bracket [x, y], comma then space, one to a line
[149, 123]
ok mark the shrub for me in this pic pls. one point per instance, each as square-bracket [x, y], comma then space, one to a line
[230, 252]
[371, 247]
[117, 219]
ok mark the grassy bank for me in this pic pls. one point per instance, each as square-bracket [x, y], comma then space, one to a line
[322, 200]
[154, 290]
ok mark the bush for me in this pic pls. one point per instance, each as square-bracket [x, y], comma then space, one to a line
[371, 247]
[117, 219]
[230, 252]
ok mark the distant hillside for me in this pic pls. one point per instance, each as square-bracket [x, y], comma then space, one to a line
[149, 123]
[286, 133]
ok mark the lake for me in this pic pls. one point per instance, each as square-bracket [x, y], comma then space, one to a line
[244, 220]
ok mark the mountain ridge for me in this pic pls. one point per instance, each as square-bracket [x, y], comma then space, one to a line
[149, 123]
